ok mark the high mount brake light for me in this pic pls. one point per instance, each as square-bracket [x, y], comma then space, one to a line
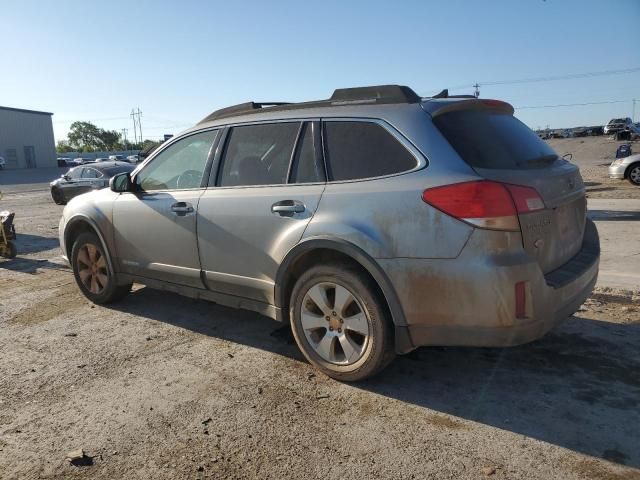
[485, 203]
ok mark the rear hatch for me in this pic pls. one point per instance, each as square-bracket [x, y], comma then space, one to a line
[501, 148]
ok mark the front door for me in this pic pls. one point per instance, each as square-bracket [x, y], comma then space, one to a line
[155, 225]
[259, 207]
[30, 156]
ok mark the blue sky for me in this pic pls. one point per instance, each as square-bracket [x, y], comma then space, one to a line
[177, 61]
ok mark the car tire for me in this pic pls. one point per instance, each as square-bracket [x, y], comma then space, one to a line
[340, 322]
[633, 174]
[57, 196]
[96, 279]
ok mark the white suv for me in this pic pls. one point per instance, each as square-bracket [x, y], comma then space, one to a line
[618, 124]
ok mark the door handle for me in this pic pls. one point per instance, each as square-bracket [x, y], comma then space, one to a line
[287, 206]
[182, 208]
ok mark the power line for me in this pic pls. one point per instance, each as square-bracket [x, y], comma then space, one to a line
[570, 104]
[570, 76]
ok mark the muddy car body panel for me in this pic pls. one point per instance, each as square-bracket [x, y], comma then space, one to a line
[238, 232]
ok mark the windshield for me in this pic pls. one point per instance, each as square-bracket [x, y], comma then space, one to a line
[489, 139]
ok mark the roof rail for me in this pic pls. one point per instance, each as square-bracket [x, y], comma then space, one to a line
[247, 107]
[378, 94]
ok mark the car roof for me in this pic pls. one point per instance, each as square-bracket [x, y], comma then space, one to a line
[388, 102]
[111, 165]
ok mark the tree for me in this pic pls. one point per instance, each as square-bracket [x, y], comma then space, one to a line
[63, 147]
[110, 139]
[84, 135]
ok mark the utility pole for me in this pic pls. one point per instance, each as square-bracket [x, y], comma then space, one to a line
[136, 113]
[135, 131]
[139, 113]
[633, 111]
[124, 138]
[476, 93]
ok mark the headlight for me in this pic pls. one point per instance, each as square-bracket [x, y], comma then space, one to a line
[617, 162]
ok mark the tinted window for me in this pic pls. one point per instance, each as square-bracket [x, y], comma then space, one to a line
[75, 172]
[110, 172]
[90, 173]
[258, 154]
[306, 168]
[486, 139]
[179, 166]
[362, 150]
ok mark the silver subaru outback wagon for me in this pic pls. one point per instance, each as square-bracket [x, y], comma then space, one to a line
[373, 222]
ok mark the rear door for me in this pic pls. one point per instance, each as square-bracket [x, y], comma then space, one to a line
[90, 180]
[499, 147]
[269, 182]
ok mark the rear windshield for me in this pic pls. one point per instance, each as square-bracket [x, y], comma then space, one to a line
[489, 139]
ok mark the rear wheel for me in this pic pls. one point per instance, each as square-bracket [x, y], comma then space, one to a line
[340, 322]
[91, 270]
[633, 174]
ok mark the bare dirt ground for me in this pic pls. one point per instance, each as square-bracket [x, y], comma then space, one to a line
[162, 386]
[593, 155]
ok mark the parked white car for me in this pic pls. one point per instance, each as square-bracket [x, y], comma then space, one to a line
[133, 159]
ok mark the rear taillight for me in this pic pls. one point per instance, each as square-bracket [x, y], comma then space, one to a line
[484, 203]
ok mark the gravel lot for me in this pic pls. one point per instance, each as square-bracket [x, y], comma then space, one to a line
[162, 386]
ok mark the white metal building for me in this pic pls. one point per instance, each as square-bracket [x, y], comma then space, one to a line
[26, 138]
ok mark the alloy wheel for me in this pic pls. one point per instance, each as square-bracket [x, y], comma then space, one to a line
[634, 175]
[334, 323]
[92, 268]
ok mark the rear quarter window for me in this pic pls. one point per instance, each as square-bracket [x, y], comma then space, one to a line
[355, 150]
[488, 139]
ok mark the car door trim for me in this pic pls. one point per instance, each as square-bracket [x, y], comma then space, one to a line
[238, 285]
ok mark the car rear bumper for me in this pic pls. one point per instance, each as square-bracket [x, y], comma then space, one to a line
[617, 171]
[470, 300]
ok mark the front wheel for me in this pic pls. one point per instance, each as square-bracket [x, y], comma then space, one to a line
[634, 174]
[92, 272]
[57, 196]
[340, 322]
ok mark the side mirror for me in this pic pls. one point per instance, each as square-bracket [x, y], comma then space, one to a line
[120, 183]
[65, 176]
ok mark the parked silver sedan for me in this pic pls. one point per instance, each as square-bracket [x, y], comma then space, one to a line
[626, 168]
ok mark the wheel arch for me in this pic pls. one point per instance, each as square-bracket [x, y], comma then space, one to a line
[629, 167]
[289, 271]
[79, 224]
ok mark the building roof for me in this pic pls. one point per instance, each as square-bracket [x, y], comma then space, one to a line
[24, 111]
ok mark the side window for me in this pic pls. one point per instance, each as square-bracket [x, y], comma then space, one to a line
[258, 154]
[356, 150]
[306, 168]
[180, 166]
[75, 173]
[90, 173]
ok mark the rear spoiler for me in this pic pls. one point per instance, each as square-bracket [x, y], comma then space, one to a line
[470, 104]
